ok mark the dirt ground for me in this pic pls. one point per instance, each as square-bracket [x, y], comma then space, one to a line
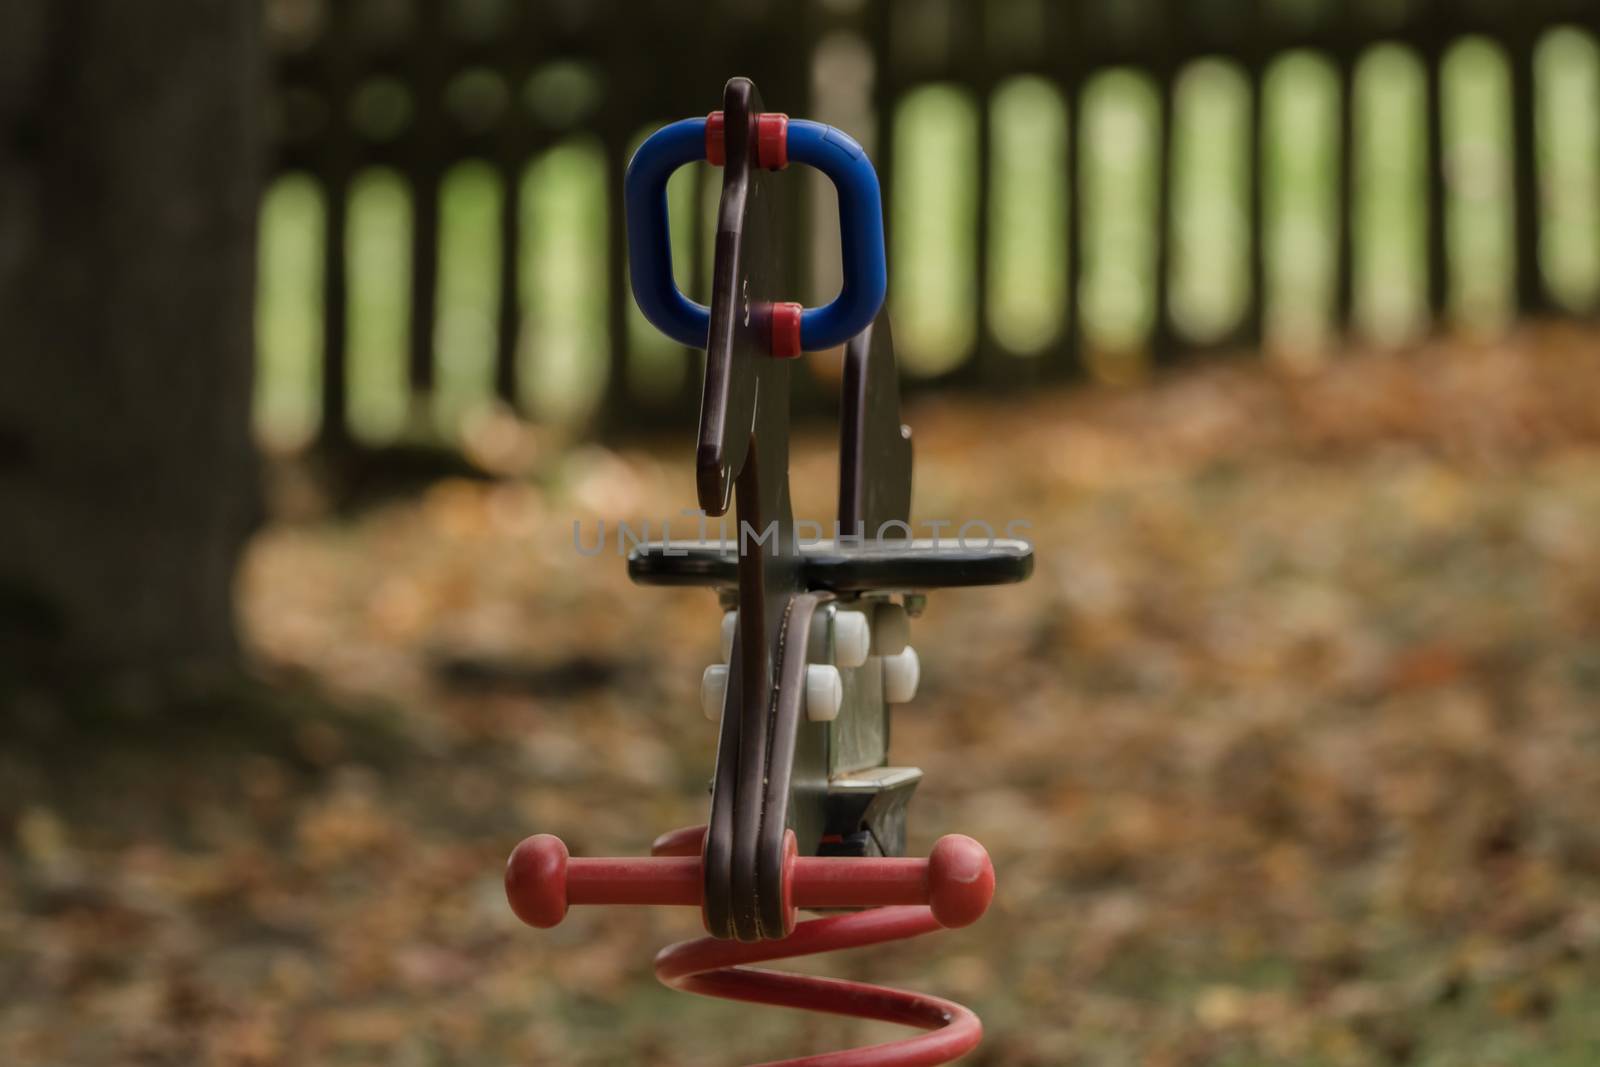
[1288, 753]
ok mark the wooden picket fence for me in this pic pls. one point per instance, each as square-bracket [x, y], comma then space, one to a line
[417, 86]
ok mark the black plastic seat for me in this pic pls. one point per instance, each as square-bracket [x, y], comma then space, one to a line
[844, 568]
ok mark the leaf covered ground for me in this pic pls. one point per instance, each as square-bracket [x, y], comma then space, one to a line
[1289, 752]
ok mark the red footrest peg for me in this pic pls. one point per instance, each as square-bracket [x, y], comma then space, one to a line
[956, 881]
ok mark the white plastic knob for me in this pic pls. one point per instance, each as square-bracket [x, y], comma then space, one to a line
[852, 638]
[713, 690]
[730, 623]
[901, 674]
[824, 692]
[891, 629]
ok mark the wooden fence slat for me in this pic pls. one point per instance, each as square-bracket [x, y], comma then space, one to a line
[1071, 362]
[337, 164]
[513, 149]
[509, 322]
[1344, 226]
[1254, 326]
[1066, 27]
[425, 189]
[972, 65]
[885, 99]
[1530, 290]
[1163, 331]
[617, 398]
[335, 426]
[1433, 29]
[1436, 190]
[424, 164]
[1172, 29]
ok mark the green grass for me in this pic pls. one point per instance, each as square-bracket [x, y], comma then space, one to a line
[289, 311]
[1028, 215]
[379, 285]
[1569, 156]
[1300, 200]
[1390, 219]
[564, 281]
[469, 291]
[1210, 270]
[931, 275]
[1120, 152]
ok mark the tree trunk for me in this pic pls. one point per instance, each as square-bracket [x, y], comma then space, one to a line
[130, 155]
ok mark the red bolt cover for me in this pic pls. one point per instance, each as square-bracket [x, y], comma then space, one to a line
[714, 142]
[786, 330]
[772, 140]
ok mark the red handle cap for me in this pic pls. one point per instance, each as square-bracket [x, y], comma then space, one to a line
[536, 880]
[960, 880]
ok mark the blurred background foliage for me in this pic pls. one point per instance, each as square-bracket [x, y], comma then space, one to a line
[1287, 754]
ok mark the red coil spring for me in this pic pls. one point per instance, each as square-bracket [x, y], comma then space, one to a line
[951, 888]
[716, 968]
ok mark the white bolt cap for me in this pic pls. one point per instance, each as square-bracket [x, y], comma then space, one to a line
[730, 623]
[852, 638]
[713, 690]
[901, 674]
[824, 692]
[891, 629]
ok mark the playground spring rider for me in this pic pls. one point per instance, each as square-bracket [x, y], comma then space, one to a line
[805, 810]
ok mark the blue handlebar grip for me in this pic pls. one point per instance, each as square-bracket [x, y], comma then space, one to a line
[644, 194]
[866, 274]
[866, 268]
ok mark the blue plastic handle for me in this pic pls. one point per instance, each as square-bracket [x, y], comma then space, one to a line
[866, 273]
